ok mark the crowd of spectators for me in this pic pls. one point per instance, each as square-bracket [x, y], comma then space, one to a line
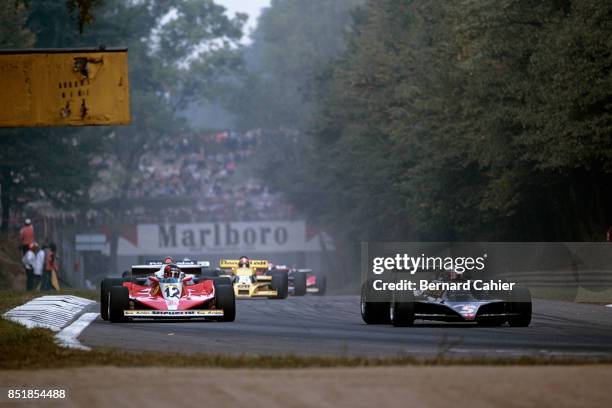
[194, 178]
[201, 178]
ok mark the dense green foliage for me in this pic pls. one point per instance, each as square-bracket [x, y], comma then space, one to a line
[463, 120]
[394, 120]
[82, 10]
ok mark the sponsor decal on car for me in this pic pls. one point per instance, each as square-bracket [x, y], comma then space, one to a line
[177, 313]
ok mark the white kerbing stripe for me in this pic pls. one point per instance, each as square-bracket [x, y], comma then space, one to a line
[68, 336]
[48, 312]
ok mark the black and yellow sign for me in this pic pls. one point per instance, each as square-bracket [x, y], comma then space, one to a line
[48, 87]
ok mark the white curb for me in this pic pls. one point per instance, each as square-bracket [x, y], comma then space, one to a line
[68, 336]
[48, 312]
[55, 313]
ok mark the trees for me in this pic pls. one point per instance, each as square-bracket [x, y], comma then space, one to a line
[356, 155]
[173, 62]
[38, 164]
[528, 72]
[178, 50]
[13, 34]
[84, 10]
[465, 121]
[292, 44]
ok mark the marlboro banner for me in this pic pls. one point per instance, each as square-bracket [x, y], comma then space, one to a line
[212, 238]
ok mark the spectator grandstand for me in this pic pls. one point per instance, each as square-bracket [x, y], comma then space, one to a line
[206, 178]
[199, 177]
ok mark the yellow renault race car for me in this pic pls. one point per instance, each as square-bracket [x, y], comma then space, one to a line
[251, 279]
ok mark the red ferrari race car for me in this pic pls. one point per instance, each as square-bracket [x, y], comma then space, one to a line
[161, 290]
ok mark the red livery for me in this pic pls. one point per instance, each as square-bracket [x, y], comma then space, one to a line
[167, 292]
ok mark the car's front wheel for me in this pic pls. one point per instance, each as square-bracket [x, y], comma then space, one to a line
[280, 283]
[373, 312]
[321, 285]
[225, 299]
[105, 288]
[520, 307]
[118, 302]
[401, 310]
[299, 283]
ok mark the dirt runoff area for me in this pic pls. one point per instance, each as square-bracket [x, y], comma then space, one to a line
[429, 386]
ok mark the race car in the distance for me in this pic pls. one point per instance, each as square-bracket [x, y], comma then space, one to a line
[484, 307]
[252, 279]
[302, 281]
[315, 284]
[161, 290]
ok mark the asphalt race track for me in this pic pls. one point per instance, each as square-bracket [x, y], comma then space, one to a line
[332, 325]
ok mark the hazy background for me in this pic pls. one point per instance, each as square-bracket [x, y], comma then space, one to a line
[355, 120]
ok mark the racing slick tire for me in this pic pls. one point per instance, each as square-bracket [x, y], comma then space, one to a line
[118, 301]
[299, 283]
[221, 280]
[209, 274]
[373, 312]
[105, 287]
[280, 283]
[322, 285]
[520, 305]
[401, 309]
[225, 300]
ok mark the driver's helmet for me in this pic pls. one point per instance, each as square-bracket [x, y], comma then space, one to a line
[168, 260]
[172, 271]
[244, 262]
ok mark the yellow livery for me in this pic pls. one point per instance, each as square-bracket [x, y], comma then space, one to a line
[251, 279]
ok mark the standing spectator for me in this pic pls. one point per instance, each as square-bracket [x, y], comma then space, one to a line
[28, 260]
[45, 283]
[609, 234]
[48, 279]
[26, 236]
[34, 262]
[39, 265]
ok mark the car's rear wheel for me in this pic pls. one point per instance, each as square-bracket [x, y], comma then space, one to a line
[105, 287]
[401, 310]
[520, 307]
[373, 312]
[118, 302]
[321, 285]
[299, 283]
[225, 300]
[208, 274]
[280, 283]
[220, 280]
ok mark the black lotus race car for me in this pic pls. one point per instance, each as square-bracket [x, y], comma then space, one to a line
[484, 307]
